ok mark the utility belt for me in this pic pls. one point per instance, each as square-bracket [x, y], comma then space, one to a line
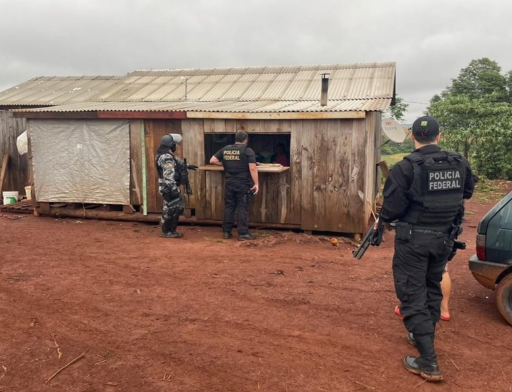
[404, 231]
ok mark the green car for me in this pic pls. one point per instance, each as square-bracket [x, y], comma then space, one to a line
[492, 264]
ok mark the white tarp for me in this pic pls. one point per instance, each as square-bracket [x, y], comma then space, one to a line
[81, 161]
[22, 143]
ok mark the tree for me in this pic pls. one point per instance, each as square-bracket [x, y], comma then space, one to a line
[475, 113]
[397, 111]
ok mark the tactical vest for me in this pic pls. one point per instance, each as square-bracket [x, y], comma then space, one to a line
[234, 160]
[437, 188]
[160, 171]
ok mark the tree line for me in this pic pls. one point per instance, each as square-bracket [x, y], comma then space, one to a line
[475, 113]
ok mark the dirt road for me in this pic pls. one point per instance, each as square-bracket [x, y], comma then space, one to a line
[288, 312]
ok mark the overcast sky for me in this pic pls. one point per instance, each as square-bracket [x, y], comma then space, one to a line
[430, 40]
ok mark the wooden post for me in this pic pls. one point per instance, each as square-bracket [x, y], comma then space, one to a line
[5, 162]
[384, 168]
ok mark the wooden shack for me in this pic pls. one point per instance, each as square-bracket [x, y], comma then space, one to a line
[331, 181]
[36, 93]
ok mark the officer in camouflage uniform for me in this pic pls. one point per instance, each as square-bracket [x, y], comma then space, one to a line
[425, 193]
[169, 180]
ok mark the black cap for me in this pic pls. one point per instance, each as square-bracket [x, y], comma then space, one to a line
[425, 126]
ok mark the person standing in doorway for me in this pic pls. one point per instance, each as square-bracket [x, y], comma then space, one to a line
[241, 184]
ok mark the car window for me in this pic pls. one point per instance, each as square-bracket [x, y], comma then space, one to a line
[498, 240]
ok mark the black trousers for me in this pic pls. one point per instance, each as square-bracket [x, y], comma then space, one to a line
[418, 265]
[236, 199]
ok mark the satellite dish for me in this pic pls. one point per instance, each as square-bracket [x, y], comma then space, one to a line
[393, 130]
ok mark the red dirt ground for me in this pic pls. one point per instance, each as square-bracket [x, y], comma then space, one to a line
[288, 312]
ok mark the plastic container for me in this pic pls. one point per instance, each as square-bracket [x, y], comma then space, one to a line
[28, 192]
[10, 197]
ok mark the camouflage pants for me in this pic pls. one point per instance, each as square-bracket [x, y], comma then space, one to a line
[172, 209]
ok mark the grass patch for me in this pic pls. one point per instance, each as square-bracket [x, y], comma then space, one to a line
[392, 159]
[486, 190]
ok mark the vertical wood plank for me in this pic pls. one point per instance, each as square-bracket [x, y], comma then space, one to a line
[193, 150]
[357, 173]
[155, 130]
[17, 176]
[135, 162]
[294, 175]
[307, 145]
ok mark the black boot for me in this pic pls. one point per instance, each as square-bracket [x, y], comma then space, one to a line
[412, 341]
[426, 364]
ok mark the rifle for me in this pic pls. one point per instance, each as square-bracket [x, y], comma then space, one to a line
[372, 237]
[184, 176]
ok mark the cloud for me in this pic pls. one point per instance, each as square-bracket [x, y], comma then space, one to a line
[429, 40]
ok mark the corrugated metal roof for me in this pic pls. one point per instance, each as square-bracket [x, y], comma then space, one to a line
[56, 90]
[352, 87]
[302, 83]
[377, 104]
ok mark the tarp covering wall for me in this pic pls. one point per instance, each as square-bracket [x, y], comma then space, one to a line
[81, 161]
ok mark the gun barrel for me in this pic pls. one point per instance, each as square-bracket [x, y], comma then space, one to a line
[365, 243]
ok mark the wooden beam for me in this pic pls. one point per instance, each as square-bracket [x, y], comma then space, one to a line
[384, 168]
[5, 162]
[278, 116]
[56, 115]
[127, 114]
[128, 209]
[151, 218]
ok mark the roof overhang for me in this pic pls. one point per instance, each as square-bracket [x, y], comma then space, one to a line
[190, 115]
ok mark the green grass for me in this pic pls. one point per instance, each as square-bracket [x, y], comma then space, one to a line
[392, 159]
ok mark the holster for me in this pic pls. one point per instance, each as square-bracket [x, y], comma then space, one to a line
[403, 231]
[248, 196]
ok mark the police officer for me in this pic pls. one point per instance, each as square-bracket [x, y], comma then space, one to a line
[425, 194]
[241, 184]
[169, 179]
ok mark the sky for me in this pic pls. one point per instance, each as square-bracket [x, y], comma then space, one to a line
[430, 41]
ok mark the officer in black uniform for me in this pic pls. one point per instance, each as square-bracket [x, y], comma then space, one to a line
[425, 192]
[169, 180]
[241, 184]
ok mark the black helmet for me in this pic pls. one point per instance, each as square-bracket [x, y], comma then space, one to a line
[168, 141]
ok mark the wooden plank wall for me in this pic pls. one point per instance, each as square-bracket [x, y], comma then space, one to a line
[17, 176]
[136, 162]
[193, 150]
[331, 175]
[332, 171]
[274, 201]
[373, 131]
[154, 130]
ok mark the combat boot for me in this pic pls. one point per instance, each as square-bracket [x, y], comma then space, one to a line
[247, 237]
[426, 364]
[171, 234]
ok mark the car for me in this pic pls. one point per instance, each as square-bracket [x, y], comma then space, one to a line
[492, 264]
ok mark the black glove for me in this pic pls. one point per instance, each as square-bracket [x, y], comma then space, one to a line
[192, 167]
[377, 236]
